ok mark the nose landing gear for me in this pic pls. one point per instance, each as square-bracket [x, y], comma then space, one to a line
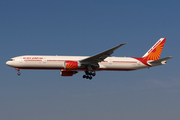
[89, 75]
[18, 71]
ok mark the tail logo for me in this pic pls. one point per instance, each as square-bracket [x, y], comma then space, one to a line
[154, 53]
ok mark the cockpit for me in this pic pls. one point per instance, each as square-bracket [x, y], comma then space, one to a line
[11, 59]
[10, 62]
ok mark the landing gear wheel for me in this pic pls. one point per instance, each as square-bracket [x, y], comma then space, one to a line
[93, 74]
[87, 77]
[18, 73]
[18, 70]
[84, 76]
[89, 74]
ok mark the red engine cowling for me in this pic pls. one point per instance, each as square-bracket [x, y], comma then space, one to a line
[67, 73]
[71, 65]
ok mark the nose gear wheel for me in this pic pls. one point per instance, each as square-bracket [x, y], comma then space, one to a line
[18, 71]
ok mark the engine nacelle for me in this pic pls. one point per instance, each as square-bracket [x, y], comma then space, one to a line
[67, 73]
[71, 65]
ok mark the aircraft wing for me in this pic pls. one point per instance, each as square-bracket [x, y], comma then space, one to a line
[100, 57]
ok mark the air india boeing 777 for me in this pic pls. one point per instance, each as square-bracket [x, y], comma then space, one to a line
[70, 65]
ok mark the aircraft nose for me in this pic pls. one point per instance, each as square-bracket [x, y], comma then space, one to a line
[7, 63]
[10, 62]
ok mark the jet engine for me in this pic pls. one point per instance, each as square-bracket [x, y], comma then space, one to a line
[71, 65]
[67, 73]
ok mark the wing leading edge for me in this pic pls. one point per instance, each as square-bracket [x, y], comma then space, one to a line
[101, 56]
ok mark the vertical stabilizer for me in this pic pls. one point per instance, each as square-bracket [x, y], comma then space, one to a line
[155, 52]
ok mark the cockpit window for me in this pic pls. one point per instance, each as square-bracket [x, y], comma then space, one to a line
[11, 60]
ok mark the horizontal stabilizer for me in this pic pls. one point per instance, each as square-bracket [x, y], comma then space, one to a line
[160, 61]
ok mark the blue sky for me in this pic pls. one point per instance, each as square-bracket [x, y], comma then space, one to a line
[43, 27]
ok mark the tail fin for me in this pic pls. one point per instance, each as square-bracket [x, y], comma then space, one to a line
[155, 52]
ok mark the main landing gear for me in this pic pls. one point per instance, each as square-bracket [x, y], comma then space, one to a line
[18, 71]
[89, 75]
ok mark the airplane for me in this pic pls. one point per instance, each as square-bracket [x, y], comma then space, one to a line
[70, 65]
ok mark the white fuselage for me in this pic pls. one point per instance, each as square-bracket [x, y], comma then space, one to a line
[70, 65]
[57, 62]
